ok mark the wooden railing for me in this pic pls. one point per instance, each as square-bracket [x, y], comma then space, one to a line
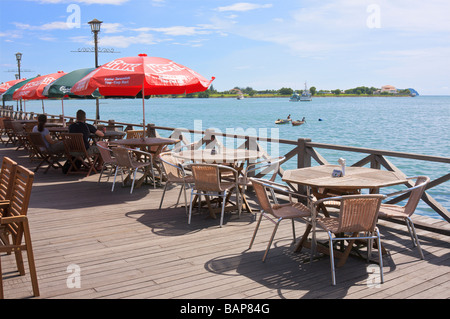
[304, 151]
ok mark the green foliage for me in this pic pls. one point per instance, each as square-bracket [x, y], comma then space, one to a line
[285, 91]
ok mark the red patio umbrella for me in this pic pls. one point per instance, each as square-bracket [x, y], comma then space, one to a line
[33, 90]
[149, 75]
[7, 85]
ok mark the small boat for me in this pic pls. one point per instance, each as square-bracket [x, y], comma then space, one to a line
[283, 121]
[297, 123]
[306, 95]
[295, 97]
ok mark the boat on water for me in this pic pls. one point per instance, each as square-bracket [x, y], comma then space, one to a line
[297, 123]
[295, 97]
[283, 121]
[306, 95]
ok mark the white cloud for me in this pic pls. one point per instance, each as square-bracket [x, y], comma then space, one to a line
[112, 2]
[180, 30]
[112, 27]
[243, 6]
[56, 25]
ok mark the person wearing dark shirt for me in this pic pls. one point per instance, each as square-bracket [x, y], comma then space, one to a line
[80, 126]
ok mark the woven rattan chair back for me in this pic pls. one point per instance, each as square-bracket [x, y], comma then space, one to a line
[105, 152]
[123, 157]
[359, 213]
[207, 177]
[262, 196]
[416, 194]
[135, 134]
[171, 167]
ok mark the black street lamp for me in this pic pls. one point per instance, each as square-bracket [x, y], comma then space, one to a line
[19, 58]
[95, 28]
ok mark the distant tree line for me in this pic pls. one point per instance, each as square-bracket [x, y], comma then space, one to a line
[249, 91]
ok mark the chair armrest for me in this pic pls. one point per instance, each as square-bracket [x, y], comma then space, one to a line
[228, 168]
[12, 219]
[410, 189]
[134, 150]
[4, 203]
[281, 188]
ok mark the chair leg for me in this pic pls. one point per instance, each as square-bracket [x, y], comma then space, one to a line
[101, 173]
[190, 207]
[1, 280]
[256, 229]
[271, 238]
[185, 199]
[179, 196]
[380, 255]
[30, 256]
[293, 229]
[134, 179]
[333, 275]
[162, 197]
[223, 207]
[415, 239]
[115, 176]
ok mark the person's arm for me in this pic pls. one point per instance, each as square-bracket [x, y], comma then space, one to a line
[94, 130]
[99, 133]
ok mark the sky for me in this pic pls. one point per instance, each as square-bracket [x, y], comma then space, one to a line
[267, 44]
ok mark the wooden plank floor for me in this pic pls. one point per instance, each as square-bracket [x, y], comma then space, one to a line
[125, 247]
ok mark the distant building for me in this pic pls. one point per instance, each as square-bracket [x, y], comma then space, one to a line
[389, 89]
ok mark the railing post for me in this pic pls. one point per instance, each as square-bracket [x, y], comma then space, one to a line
[303, 158]
[151, 131]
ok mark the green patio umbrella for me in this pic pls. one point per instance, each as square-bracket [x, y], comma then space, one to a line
[62, 86]
[8, 95]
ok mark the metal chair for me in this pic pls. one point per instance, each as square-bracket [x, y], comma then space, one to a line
[264, 167]
[357, 214]
[207, 182]
[108, 161]
[126, 160]
[275, 212]
[388, 211]
[14, 227]
[175, 174]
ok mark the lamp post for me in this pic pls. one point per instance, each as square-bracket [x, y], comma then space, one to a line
[95, 28]
[19, 58]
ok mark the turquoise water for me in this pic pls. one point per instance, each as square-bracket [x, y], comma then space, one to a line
[404, 124]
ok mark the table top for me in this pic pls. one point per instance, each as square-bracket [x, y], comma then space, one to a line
[148, 141]
[355, 177]
[224, 156]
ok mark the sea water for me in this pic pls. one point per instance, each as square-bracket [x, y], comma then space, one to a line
[403, 124]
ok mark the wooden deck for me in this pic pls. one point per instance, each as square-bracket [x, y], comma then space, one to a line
[126, 248]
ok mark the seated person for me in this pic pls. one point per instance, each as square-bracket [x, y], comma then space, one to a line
[54, 146]
[80, 126]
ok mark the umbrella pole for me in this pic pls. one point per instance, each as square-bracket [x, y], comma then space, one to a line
[43, 110]
[143, 107]
[62, 110]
